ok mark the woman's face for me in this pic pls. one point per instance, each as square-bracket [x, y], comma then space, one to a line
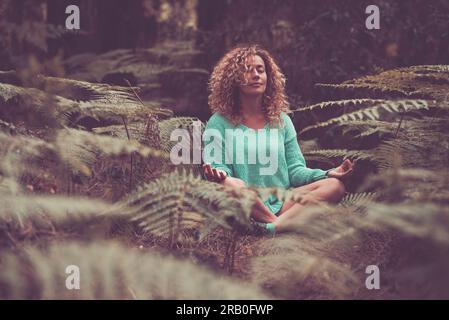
[255, 76]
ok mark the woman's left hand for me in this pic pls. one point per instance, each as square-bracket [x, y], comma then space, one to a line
[344, 170]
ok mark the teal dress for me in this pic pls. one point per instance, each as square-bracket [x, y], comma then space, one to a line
[268, 157]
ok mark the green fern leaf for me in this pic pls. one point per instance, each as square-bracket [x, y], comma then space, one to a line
[111, 271]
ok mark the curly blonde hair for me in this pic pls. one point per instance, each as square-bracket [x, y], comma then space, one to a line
[228, 75]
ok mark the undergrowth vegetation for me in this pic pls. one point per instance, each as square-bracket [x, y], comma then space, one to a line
[86, 179]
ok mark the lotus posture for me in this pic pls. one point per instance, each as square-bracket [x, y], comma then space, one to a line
[247, 95]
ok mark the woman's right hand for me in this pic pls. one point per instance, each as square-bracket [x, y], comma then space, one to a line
[214, 174]
[343, 170]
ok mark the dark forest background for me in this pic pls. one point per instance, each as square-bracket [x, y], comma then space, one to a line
[313, 41]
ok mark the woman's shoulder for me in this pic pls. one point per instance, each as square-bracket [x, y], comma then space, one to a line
[286, 121]
[284, 115]
[287, 126]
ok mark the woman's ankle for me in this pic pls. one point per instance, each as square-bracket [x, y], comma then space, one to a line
[271, 228]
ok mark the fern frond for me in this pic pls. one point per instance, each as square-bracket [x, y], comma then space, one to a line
[23, 154]
[334, 157]
[407, 218]
[33, 106]
[93, 68]
[356, 202]
[324, 223]
[63, 101]
[19, 211]
[165, 205]
[108, 111]
[300, 273]
[80, 148]
[9, 186]
[111, 271]
[420, 185]
[366, 128]
[138, 131]
[9, 128]
[189, 139]
[438, 68]
[340, 104]
[85, 91]
[427, 221]
[374, 113]
[419, 82]
[337, 153]
[414, 149]
[331, 223]
[330, 109]
[144, 64]
[373, 90]
[167, 126]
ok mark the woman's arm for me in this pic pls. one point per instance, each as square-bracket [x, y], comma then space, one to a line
[214, 144]
[298, 173]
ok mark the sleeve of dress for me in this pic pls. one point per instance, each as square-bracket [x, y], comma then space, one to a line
[298, 173]
[214, 145]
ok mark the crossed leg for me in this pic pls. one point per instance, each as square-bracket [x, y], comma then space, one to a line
[329, 190]
[326, 190]
[259, 212]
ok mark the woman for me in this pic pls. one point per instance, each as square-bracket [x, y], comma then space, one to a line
[247, 94]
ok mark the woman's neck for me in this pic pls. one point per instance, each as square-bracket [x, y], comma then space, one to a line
[251, 106]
